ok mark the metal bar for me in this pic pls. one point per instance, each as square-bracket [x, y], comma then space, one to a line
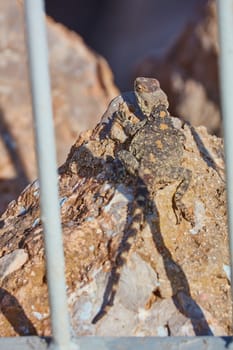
[225, 19]
[124, 343]
[46, 159]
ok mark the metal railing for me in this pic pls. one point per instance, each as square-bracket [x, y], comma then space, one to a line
[47, 169]
[45, 144]
[225, 20]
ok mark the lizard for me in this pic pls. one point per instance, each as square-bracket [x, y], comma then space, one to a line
[156, 148]
[153, 156]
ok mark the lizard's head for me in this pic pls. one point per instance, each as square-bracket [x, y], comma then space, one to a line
[149, 94]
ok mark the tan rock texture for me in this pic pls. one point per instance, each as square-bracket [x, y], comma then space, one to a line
[173, 279]
[82, 87]
[188, 71]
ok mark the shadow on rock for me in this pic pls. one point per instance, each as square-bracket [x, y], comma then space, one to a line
[113, 171]
[10, 188]
[15, 314]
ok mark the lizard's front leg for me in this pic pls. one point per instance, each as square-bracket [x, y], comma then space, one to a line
[129, 127]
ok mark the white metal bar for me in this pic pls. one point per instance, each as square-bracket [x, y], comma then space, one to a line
[225, 19]
[46, 159]
[125, 343]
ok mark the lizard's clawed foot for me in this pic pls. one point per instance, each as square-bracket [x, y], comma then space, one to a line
[183, 213]
[120, 114]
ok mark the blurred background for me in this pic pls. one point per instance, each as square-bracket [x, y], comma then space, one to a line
[125, 31]
[96, 49]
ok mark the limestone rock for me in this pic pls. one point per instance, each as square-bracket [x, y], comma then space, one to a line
[12, 262]
[82, 87]
[172, 280]
[188, 71]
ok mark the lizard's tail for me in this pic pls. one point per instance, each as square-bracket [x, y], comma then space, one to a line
[134, 225]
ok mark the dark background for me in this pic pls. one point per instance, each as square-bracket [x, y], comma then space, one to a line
[125, 31]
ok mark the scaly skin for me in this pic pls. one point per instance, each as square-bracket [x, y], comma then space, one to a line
[155, 152]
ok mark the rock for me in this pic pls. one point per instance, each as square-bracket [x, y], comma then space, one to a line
[188, 71]
[82, 87]
[172, 280]
[12, 262]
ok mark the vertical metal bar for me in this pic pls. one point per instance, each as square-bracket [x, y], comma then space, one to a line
[46, 158]
[225, 22]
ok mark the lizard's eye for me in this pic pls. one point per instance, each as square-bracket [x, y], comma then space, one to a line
[146, 103]
[139, 87]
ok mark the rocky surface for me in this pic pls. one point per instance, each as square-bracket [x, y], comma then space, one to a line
[174, 279]
[82, 87]
[188, 71]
